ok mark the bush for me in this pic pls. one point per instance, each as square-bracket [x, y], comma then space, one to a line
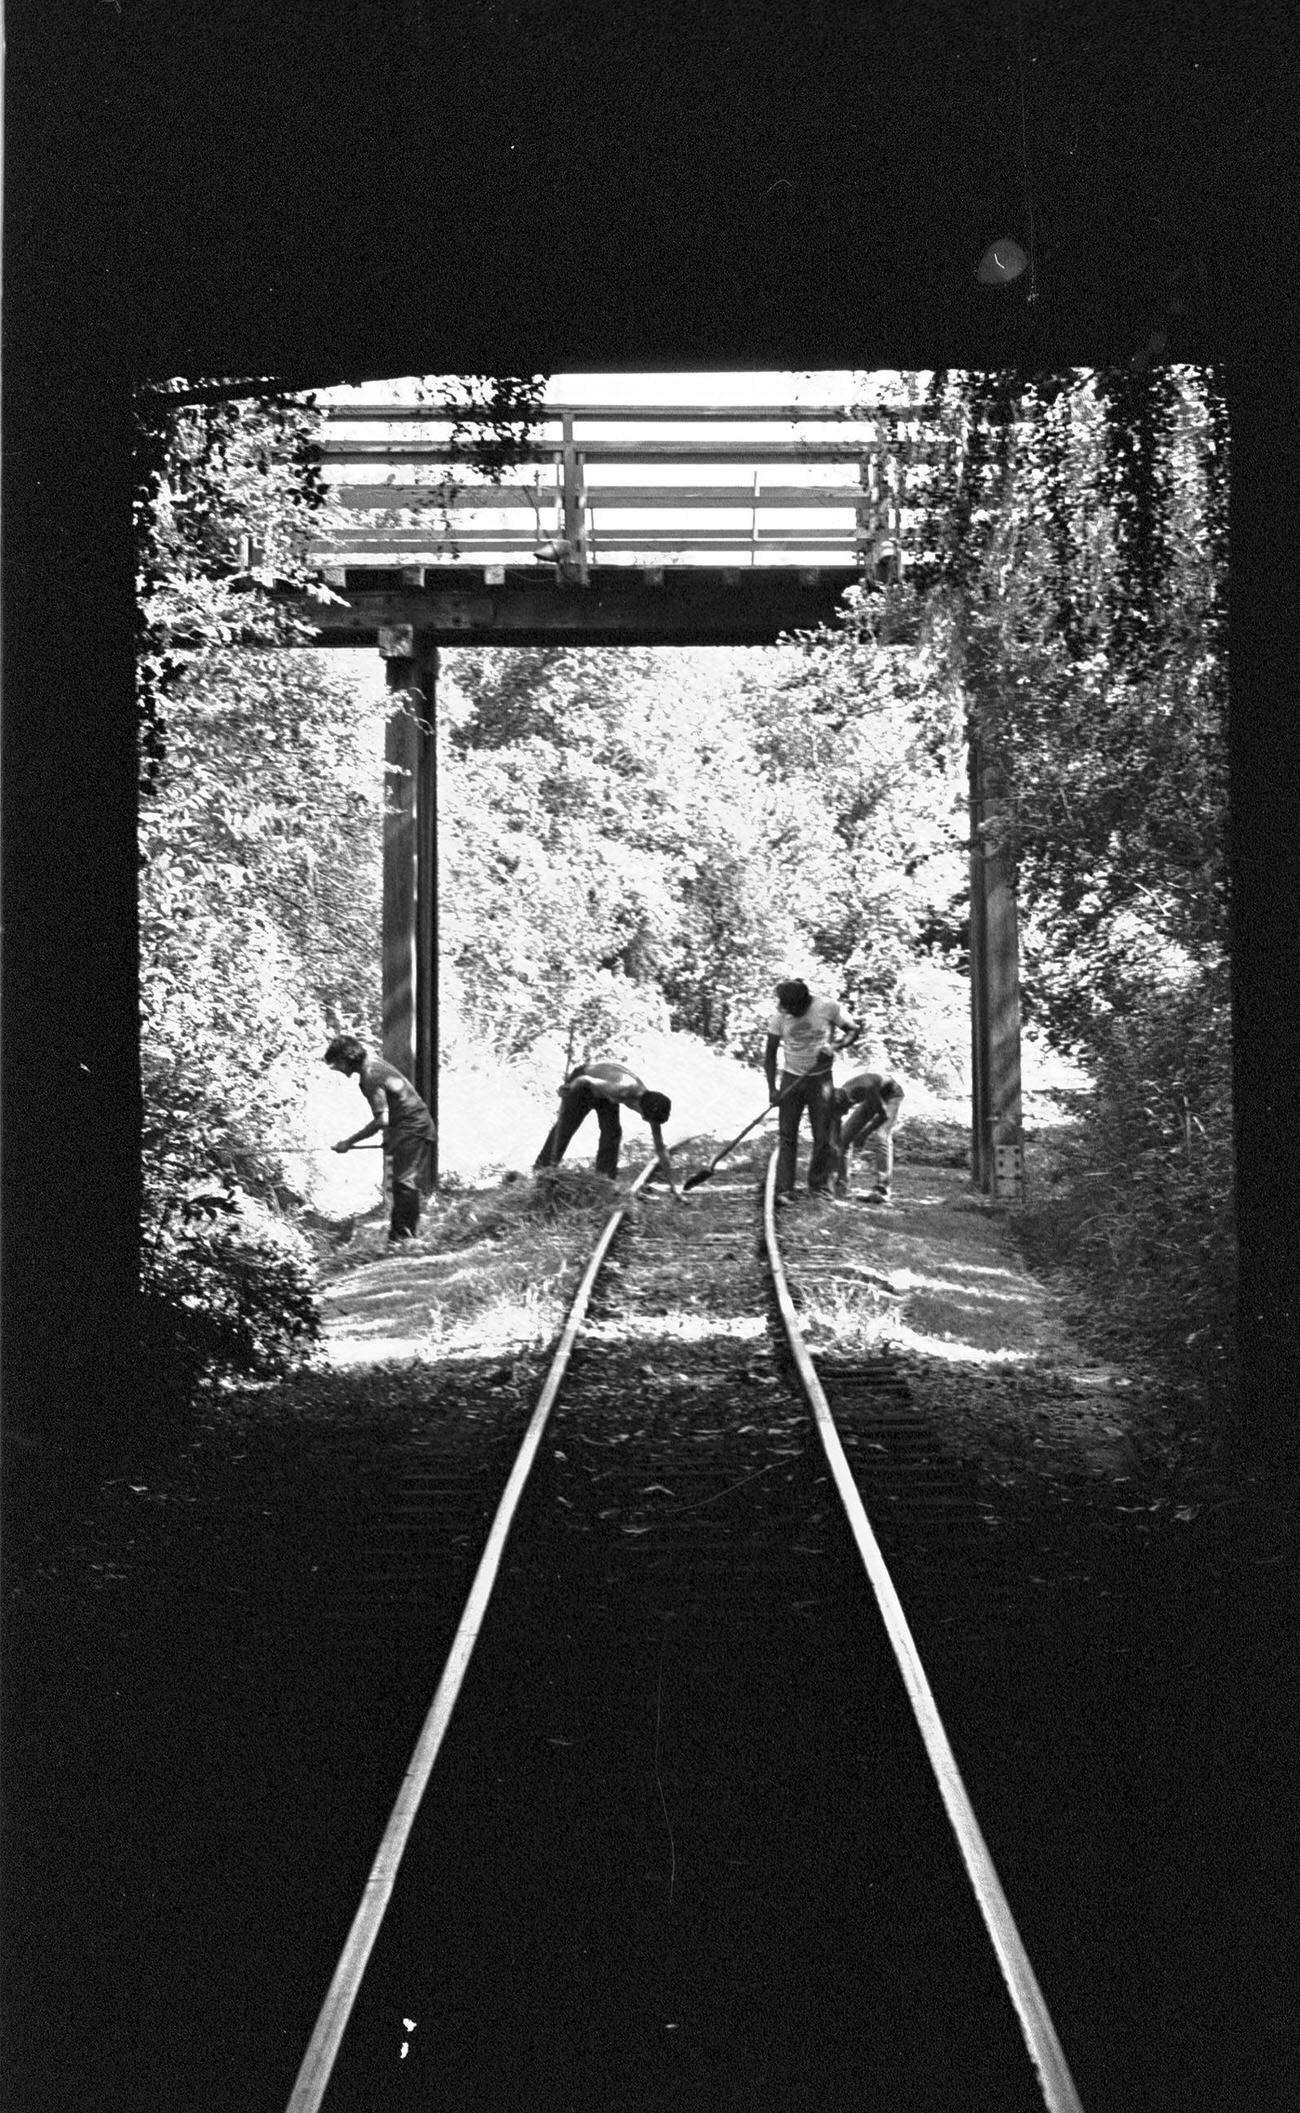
[227, 1287]
[222, 1296]
[192, 1136]
[922, 1018]
[1138, 1204]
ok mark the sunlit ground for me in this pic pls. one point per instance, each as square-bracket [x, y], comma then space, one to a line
[492, 1274]
[957, 1353]
[677, 1327]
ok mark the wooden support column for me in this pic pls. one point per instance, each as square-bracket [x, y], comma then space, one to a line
[997, 1156]
[426, 1074]
[980, 1124]
[1007, 1145]
[572, 505]
[401, 762]
[574, 567]
[410, 934]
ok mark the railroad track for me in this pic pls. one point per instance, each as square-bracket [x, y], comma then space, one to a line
[690, 1833]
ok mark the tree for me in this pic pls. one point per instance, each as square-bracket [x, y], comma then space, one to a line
[260, 882]
[261, 760]
[1072, 566]
[692, 825]
[862, 740]
[228, 497]
[248, 788]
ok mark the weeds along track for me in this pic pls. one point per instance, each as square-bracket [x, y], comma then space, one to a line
[694, 1837]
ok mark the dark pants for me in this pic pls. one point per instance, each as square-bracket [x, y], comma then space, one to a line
[576, 1104]
[409, 1169]
[812, 1091]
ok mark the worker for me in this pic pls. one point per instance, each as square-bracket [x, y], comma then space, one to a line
[608, 1087]
[404, 1125]
[804, 1031]
[865, 1108]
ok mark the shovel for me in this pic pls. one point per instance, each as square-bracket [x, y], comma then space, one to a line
[706, 1173]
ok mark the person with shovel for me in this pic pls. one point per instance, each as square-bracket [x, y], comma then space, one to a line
[865, 1107]
[803, 1031]
[402, 1120]
[608, 1087]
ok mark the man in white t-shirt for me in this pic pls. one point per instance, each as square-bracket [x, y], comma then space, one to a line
[804, 1031]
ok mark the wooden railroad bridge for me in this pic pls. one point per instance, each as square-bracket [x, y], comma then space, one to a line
[604, 531]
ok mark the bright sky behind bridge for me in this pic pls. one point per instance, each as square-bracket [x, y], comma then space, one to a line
[730, 528]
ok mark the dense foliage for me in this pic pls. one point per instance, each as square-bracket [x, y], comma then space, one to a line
[259, 885]
[1136, 1201]
[641, 837]
[637, 839]
[228, 495]
[1070, 569]
[255, 778]
[261, 812]
[1071, 558]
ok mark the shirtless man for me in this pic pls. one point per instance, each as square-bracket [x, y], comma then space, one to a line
[865, 1106]
[400, 1119]
[607, 1087]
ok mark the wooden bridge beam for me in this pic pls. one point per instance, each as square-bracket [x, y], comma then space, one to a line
[622, 605]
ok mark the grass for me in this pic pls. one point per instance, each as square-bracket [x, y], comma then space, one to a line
[855, 1317]
[491, 1270]
[1144, 1243]
[496, 1255]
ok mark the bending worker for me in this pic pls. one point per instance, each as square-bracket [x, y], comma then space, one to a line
[865, 1107]
[607, 1087]
[404, 1124]
[804, 1031]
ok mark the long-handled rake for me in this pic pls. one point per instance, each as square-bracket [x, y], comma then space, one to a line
[706, 1173]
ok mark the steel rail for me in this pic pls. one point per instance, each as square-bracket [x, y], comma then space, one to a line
[317, 2064]
[1059, 2093]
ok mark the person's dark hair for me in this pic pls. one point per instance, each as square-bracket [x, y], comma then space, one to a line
[345, 1049]
[656, 1107]
[794, 997]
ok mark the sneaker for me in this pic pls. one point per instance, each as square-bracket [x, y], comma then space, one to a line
[842, 1191]
[881, 1196]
